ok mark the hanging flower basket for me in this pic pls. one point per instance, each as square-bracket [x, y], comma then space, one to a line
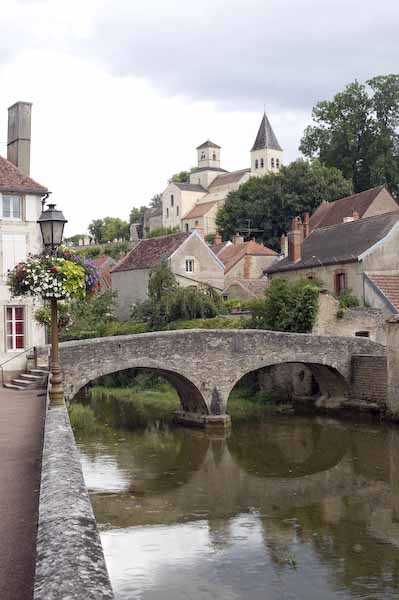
[64, 276]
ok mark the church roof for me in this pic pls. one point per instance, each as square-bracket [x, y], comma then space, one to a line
[190, 187]
[232, 177]
[266, 137]
[13, 180]
[199, 210]
[198, 170]
[208, 144]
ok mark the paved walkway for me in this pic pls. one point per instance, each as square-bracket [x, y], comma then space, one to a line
[21, 438]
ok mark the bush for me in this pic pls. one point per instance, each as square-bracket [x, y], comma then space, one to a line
[215, 323]
[82, 418]
[288, 306]
[348, 300]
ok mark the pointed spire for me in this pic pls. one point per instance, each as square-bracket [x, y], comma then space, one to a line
[266, 137]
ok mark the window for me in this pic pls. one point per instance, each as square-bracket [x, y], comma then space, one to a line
[167, 212]
[11, 207]
[172, 199]
[15, 328]
[340, 283]
[272, 163]
[189, 265]
[262, 163]
[14, 250]
[277, 163]
[256, 164]
[202, 156]
[362, 334]
[186, 227]
[214, 156]
[177, 211]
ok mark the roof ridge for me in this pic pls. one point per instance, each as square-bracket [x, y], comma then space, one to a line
[362, 219]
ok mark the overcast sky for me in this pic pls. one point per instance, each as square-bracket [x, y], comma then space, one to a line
[124, 90]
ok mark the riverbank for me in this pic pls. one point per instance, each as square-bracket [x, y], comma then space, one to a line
[137, 407]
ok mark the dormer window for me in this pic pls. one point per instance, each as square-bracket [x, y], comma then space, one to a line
[272, 163]
[11, 207]
[256, 164]
[172, 200]
[262, 163]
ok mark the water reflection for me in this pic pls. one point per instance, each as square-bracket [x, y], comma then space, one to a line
[295, 508]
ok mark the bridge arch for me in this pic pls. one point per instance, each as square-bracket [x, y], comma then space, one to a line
[191, 399]
[331, 383]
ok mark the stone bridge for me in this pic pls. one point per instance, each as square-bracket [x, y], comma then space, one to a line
[205, 365]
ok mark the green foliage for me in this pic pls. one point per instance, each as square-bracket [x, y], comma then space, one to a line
[158, 231]
[74, 239]
[357, 132]
[137, 214]
[270, 202]
[109, 229]
[82, 418]
[289, 306]
[210, 238]
[90, 317]
[181, 177]
[113, 249]
[348, 300]
[43, 315]
[156, 201]
[167, 302]
[134, 408]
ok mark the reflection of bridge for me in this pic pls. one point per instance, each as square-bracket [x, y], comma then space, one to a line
[205, 365]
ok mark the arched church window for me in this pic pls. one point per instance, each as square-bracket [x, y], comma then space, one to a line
[272, 163]
[262, 163]
[277, 163]
[202, 155]
[214, 156]
[256, 164]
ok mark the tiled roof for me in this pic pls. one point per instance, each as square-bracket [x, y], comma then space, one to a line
[200, 169]
[150, 252]
[339, 243]
[266, 137]
[388, 286]
[232, 177]
[199, 210]
[104, 264]
[13, 180]
[208, 144]
[100, 261]
[233, 253]
[333, 213]
[254, 287]
[217, 248]
[190, 187]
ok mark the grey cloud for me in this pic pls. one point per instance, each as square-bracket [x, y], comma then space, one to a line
[287, 53]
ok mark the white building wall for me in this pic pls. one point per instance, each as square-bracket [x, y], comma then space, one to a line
[271, 158]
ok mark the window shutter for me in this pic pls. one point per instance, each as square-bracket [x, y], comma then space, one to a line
[14, 250]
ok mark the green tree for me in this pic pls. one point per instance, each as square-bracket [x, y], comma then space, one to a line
[288, 306]
[137, 214]
[181, 177]
[156, 201]
[96, 228]
[269, 203]
[357, 132]
[109, 229]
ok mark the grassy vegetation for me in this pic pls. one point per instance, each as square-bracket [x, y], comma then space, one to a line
[82, 418]
[134, 408]
[247, 406]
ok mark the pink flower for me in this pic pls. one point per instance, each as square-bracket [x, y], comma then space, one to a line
[53, 270]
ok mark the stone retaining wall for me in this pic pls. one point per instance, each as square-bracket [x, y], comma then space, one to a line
[70, 561]
[369, 379]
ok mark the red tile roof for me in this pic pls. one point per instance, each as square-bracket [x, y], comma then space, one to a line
[100, 261]
[233, 253]
[149, 252]
[199, 210]
[389, 286]
[333, 213]
[13, 180]
[254, 287]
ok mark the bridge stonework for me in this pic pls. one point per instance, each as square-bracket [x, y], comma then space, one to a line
[205, 365]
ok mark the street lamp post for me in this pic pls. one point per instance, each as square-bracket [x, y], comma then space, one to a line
[52, 224]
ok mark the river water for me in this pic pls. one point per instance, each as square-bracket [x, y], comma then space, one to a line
[297, 508]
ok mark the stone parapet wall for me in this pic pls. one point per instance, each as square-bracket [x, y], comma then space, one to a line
[369, 379]
[70, 561]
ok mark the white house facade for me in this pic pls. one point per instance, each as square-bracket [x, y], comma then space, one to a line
[20, 208]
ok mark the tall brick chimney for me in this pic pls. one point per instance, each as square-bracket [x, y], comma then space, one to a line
[284, 245]
[306, 218]
[19, 135]
[295, 237]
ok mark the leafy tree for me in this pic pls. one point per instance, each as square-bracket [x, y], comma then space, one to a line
[158, 231]
[181, 177]
[137, 214]
[270, 202]
[74, 239]
[357, 132]
[156, 201]
[109, 229]
[288, 306]
[161, 282]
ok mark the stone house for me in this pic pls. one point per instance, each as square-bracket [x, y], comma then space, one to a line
[360, 255]
[190, 258]
[20, 205]
[195, 203]
[245, 260]
[369, 203]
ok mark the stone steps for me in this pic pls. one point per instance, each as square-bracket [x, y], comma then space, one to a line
[32, 379]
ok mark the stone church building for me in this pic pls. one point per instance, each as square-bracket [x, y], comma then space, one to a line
[195, 204]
